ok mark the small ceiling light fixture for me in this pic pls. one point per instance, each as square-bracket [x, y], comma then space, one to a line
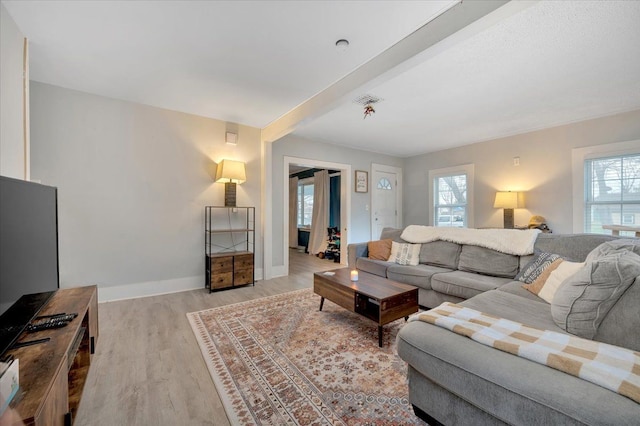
[368, 110]
[342, 45]
[367, 101]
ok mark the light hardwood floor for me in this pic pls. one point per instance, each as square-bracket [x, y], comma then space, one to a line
[148, 368]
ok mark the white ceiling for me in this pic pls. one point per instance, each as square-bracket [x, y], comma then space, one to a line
[242, 61]
[551, 63]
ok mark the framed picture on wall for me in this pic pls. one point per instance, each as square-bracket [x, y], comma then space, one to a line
[362, 181]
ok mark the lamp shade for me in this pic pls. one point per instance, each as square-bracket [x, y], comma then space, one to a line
[508, 200]
[230, 171]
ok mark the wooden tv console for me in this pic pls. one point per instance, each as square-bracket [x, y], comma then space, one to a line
[53, 373]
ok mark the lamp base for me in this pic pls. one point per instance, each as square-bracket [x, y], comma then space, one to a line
[230, 194]
[508, 218]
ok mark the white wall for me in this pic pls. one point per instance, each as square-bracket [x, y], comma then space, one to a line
[132, 184]
[12, 148]
[293, 146]
[545, 171]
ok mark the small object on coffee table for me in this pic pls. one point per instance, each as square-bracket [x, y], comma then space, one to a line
[377, 298]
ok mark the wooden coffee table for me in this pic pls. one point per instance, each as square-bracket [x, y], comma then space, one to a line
[374, 297]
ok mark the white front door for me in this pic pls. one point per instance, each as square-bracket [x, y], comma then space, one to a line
[386, 198]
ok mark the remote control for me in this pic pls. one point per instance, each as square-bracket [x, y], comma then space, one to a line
[51, 322]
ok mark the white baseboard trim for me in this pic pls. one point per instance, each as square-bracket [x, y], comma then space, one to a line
[258, 274]
[150, 288]
[155, 288]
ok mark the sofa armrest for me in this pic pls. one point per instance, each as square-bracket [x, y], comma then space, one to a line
[356, 250]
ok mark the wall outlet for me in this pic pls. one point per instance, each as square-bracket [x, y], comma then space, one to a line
[516, 161]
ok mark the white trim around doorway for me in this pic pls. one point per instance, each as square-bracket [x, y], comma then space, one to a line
[345, 204]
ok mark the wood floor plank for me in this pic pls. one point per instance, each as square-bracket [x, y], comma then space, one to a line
[148, 368]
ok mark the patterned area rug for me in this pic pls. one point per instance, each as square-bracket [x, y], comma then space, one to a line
[280, 361]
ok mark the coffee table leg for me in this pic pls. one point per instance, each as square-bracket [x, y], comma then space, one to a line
[321, 302]
[380, 336]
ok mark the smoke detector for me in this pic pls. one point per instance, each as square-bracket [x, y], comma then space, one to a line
[342, 45]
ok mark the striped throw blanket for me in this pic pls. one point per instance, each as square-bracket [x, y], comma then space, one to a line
[612, 367]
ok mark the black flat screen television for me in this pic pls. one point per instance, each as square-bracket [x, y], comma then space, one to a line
[29, 273]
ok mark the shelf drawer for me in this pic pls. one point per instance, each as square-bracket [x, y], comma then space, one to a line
[221, 264]
[224, 279]
[243, 261]
[243, 276]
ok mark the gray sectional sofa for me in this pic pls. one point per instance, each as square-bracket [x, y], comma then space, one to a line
[455, 381]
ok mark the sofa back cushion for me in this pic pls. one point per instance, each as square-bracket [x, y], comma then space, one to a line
[572, 247]
[488, 262]
[393, 234]
[440, 253]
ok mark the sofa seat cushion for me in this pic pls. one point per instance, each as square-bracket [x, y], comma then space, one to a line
[372, 266]
[465, 284]
[488, 262]
[419, 276]
[534, 313]
[512, 389]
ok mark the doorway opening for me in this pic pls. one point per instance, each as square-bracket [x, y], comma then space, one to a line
[339, 209]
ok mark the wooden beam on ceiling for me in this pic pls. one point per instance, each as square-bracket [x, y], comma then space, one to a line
[413, 49]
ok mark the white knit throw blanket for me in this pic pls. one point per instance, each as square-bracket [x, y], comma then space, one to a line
[510, 241]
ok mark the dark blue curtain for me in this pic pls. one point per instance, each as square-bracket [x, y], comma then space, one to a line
[334, 201]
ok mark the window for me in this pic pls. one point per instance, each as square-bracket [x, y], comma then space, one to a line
[452, 194]
[384, 183]
[612, 192]
[584, 221]
[628, 219]
[305, 203]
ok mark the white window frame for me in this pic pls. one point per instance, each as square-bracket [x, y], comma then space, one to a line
[578, 157]
[465, 169]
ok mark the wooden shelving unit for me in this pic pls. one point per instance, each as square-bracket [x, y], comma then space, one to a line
[229, 247]
[53, 373]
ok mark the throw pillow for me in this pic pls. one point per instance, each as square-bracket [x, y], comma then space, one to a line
[405, 254]
[587, 297]
[539, 282]
[380, 250]
[623, 244]
[532, 270]
[557, 277]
